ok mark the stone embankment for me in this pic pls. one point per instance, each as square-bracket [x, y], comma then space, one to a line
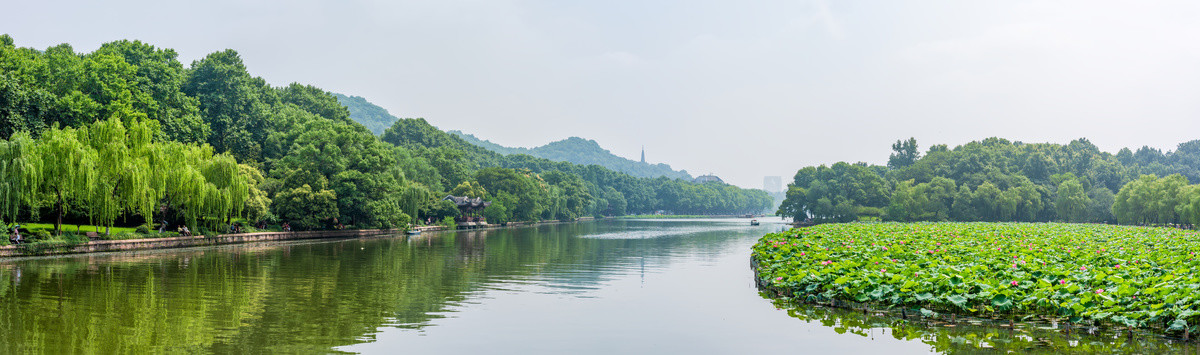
[97, 246]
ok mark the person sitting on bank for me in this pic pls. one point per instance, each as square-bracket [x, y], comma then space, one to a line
[16, 236]
[184, 231]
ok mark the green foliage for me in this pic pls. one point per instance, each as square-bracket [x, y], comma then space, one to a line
[1132, 276]
[496, 213]
[470, 189]
[1150, 200]
[1072, 201]
[905, 153]
[1000, 180]
[828, 194]
[129, 131]
[374, 118]
[306, 207]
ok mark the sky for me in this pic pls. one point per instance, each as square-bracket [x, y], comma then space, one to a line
[741, 90]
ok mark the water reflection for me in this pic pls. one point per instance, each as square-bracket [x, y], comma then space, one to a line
[976, 335]
[299, 297]
[604, 287]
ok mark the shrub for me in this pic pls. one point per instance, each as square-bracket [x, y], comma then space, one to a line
[37, 235]
[143, 229]
[127, 235]
[448, 222]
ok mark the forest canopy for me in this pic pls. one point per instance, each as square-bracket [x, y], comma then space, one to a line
[1000, 180]
[129, 134]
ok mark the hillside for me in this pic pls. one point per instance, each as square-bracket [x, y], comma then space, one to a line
[375, 118]
[584, 152]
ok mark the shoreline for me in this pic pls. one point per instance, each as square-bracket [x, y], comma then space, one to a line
[119, 245]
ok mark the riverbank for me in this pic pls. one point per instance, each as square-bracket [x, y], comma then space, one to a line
[101, 246]
[684, 216]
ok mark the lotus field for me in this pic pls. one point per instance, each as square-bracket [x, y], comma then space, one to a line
[1139, 277]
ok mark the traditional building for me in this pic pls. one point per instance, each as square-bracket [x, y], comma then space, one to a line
[468, 208]
[708, 178]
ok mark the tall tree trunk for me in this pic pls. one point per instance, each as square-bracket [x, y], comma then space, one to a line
[59, 210]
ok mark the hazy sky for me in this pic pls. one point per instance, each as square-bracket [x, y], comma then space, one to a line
[741, 89]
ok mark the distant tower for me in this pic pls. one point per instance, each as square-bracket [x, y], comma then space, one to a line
[643, 154]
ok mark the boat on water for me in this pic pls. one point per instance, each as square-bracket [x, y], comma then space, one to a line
[414, 231]
[754, 222]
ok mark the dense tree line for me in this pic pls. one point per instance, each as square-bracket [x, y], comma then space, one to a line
[129, 131]
[1000, 180]
[565, 190]
[104, 171]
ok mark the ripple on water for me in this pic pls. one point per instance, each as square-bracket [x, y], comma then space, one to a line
[650, 233]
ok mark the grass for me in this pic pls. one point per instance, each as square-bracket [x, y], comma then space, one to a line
[82, 228]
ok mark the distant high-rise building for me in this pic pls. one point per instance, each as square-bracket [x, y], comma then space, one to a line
[772, 184]
[643, 154]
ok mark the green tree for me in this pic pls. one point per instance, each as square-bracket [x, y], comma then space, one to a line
[904, 153]
[1072, 202]
[469, 189]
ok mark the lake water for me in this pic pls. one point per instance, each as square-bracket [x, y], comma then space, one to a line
[605, 287]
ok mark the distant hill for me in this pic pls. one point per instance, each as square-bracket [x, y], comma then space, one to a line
[375, 118]
[582, 151]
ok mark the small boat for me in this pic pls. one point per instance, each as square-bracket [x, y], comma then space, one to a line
[754, 222]
[414, 231]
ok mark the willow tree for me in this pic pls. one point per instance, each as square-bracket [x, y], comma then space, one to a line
[197, 184]
[123, 174]
[410, 200]
[68, 169]
[20, 175]
[227, 189]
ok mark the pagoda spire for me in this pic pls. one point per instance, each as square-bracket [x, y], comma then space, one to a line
[643, 154]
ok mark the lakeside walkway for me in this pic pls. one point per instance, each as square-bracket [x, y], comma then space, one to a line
[100, 246]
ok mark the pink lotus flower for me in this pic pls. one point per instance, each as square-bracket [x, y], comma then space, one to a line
[1099, 291]
[884, 248]
[1082, 268]
[1062, 282]
[882, 270]
[1014, 283]
[801, 253]
[777, 279]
